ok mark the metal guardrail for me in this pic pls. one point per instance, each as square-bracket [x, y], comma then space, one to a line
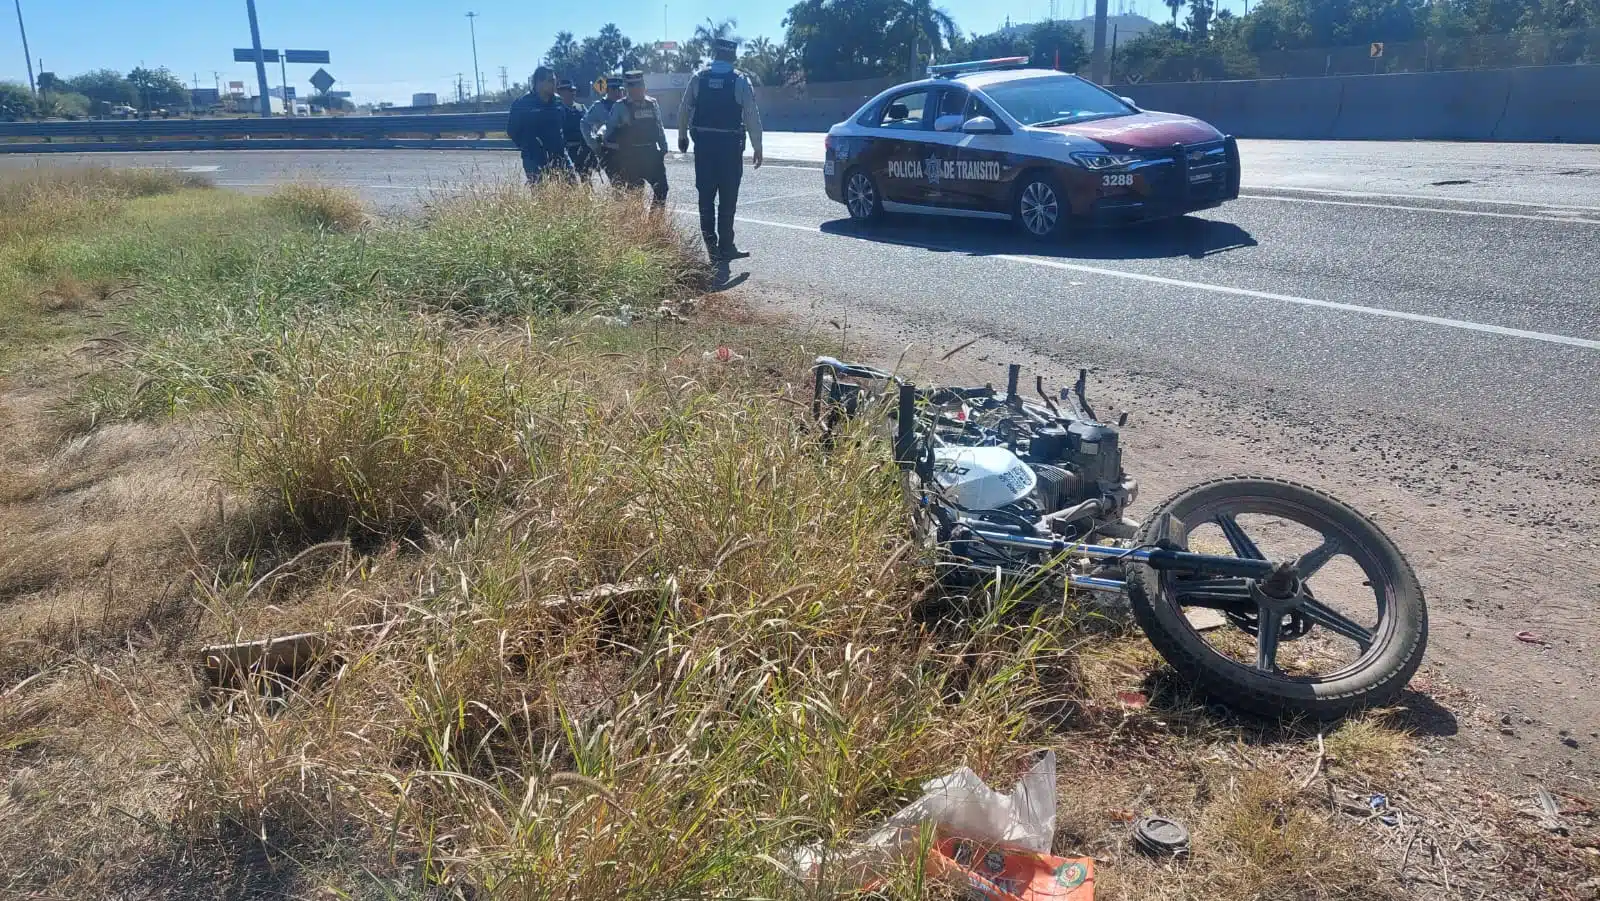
[464, 131]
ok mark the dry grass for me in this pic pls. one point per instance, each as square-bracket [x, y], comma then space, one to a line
[319, 206]
[1369, 746]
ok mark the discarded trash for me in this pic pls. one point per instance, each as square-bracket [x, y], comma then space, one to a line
[1204, 619]
[1530, 638]
[998, 844]
[1000, 874]
[723, 354]
[1161, 837]
[1134, 699]
[1379, 804]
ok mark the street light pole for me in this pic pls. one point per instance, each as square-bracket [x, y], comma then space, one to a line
[25, 54]
[261, 61]
[477, 74]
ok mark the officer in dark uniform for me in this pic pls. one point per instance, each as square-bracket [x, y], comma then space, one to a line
[718, 109]
[535, 126]
[636, 131]
[594, 122]
[572, 129]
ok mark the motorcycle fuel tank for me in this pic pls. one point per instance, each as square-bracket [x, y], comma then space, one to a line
[982, 478]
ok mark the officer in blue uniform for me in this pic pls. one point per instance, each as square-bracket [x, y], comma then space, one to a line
[572, 129]
[719, 109]
[635, 130]
[535, 126]
[594, 122]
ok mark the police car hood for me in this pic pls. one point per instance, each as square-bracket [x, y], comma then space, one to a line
[1140, 131]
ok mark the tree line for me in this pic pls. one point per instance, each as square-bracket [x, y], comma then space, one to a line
[843, 40]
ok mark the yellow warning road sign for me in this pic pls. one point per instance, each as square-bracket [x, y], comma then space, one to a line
[600, 85]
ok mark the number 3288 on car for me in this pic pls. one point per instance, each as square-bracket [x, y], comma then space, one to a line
[995, 139]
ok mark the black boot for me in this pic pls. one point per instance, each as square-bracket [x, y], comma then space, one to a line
[730, 252]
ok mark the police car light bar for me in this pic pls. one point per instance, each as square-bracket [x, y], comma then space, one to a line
[977, 65]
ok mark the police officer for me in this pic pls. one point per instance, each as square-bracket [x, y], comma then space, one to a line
[594, 121]
[572, 129]
[535, 126]
[719, 108]
[635, 130]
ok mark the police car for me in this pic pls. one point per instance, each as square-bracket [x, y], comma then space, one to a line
[995, 139]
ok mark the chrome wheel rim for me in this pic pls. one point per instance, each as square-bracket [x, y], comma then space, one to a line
[860, 196]
[1039, 208]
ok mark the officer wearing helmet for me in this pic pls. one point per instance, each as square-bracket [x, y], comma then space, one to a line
[719, 109]
[572, 129]
[535, 125]
[635, 130]
[594, 122]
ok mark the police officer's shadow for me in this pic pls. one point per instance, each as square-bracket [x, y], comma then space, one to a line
[1186, 236]
[723, 279]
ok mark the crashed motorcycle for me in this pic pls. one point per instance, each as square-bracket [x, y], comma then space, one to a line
[1269, 596]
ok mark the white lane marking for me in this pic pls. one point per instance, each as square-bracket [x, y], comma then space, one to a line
[1575, 217]
[1462, 324]
[745, 203]
[1376, 195]
[816, 168]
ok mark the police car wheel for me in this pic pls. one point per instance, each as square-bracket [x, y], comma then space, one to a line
[861, 196]
[1041, 208]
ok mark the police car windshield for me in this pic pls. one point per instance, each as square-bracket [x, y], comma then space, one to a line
[1054, 100]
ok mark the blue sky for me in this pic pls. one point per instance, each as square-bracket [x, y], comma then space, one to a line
[386, 49]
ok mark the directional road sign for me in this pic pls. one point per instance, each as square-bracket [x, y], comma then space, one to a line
[315, 57]
[247, 55]
[1376, 50]
[322, 81]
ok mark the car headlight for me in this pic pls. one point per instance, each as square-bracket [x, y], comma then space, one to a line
[1105, 160]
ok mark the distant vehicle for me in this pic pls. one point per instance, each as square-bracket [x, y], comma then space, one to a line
[995, 139]
[123, 111]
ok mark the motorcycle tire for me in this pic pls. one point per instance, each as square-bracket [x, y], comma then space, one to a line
[1398, 641]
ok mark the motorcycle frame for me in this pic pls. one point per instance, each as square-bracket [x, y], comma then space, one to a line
[1170, 554]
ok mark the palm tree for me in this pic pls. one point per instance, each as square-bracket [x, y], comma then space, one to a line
[1174, 5]
[922, 19]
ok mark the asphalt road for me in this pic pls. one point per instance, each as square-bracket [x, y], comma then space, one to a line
[1432, 281]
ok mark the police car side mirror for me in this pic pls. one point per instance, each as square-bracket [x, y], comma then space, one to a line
[1129, 101]
[947, 123]
[979, 125]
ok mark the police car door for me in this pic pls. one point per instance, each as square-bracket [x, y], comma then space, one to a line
[984, 162]
[899, 146]
[949, 185]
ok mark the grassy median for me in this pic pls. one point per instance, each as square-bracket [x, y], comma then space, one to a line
[608, 622]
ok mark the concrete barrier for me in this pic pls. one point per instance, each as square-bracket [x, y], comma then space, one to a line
[1285, 108]
[1552, 103]
[1443, 106]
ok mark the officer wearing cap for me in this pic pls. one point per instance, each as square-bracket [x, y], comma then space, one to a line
[635, 130]
[594, 121]
[535, 125]
[572, 129]
[719, 109]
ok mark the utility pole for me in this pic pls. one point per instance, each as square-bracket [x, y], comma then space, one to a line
[477, 73]
[26, 55]
[505, 81]
[283, 66]
[1097, 65]
[261, 61]
[461, 88]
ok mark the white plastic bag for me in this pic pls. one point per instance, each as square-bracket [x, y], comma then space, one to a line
[961, 805]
